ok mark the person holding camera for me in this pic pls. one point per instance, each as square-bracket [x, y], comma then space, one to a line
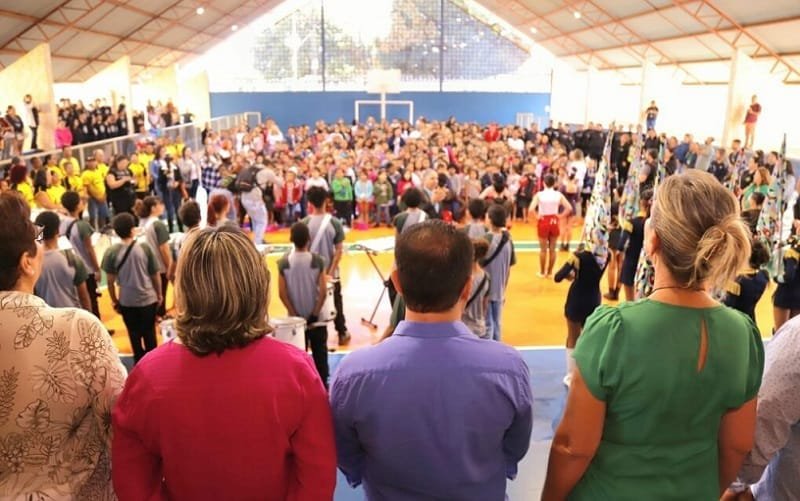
[134, 285]
[121, 186]
[302, 286]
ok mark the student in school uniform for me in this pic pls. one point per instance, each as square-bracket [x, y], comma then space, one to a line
[79, 234]
[327, 240]
[189, 212]
[786, 301]
[476, 228]
[474, 314]
[631, 242]
[582, 299]
[500, 258]
[132, 266]
[745, 292]
[413, 199]
[302, 286]
[156, 236]
[62, 283]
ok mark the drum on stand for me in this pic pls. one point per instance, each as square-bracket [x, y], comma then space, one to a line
[290, 330]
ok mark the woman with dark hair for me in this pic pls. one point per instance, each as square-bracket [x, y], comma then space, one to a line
[61, 374]
[224, 411]
[121, 186]
[172, 187]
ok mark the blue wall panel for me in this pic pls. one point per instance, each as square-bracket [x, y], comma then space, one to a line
[289, 108]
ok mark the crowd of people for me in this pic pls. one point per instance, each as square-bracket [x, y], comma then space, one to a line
[450, 190]
[81, 124]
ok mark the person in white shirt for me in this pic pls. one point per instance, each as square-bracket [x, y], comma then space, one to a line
[515, 142]
[545, 208]
[578, 165]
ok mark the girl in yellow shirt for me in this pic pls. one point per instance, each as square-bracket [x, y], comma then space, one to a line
[141, 175]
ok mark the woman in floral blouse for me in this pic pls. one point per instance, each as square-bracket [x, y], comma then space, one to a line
[59, 377]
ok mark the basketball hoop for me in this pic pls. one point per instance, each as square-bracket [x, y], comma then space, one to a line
[384, 82]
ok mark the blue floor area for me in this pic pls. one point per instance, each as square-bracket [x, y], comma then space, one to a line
[547, 370]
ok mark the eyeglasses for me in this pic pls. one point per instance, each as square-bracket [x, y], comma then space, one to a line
[39, 238]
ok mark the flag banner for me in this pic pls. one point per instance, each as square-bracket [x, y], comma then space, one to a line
[630, 194]
[736, 171]
[770, 221]
[598, 212]
[645, 273]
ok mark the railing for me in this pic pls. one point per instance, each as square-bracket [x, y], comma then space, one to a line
[126, 145]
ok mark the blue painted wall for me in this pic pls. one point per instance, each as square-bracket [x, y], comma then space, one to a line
[307, 107]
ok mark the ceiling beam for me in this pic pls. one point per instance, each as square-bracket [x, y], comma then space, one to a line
[137, 28]
[743, 30]
[34, 22]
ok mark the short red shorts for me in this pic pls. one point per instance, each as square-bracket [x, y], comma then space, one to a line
[548, 227]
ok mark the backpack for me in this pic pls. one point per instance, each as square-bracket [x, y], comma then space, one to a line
[245, 180]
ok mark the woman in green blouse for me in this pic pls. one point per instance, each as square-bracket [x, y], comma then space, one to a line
[760, 184]
[663, 403]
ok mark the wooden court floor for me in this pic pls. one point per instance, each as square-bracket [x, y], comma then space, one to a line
[533, 314]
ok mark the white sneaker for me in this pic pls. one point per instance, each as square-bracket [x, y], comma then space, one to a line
[568, 380]
[540, 275]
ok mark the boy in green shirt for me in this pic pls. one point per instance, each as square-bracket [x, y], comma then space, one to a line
[384, 195]
[342, 196]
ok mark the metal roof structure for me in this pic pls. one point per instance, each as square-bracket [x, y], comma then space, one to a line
[695, 38]
[85, 36]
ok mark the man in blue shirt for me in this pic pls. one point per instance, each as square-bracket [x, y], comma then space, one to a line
[433, 412]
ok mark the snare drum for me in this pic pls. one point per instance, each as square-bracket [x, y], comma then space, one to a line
[168, 330]
[290, 330]
[328, 311]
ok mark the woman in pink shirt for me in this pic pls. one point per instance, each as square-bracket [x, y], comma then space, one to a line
[224, 411]
[63, 135]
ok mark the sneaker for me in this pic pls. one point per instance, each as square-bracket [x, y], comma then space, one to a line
[541, 275]
[567, 380]
[344, 338]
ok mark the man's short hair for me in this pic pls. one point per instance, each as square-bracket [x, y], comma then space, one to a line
[300, 235]
[434, 262]
[189, 213]
[497, 216]
[70, 200]
[123, 224]
[49, 222]
[412, 198]
[317, 196]
[477, 208]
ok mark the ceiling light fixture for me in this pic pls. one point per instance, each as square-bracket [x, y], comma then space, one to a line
[577, 14]
[200, 11]
[234, 27]
[534, 30]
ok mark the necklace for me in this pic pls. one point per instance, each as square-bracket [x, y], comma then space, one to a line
[674, 287]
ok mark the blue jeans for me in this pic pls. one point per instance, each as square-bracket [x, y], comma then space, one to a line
[493, 313]
[258, 217]
[651, 123]
[98, 213]
[172, 201]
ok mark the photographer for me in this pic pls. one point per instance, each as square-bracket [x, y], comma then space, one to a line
[121, 186]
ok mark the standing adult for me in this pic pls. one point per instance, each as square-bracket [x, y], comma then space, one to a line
[772, 465]
[651, 114]
[397, 454]
[32, 119]
[224, 411]
[663, 401]
[121, 186]
[60, 379]
[750, 120]
[17, 130]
